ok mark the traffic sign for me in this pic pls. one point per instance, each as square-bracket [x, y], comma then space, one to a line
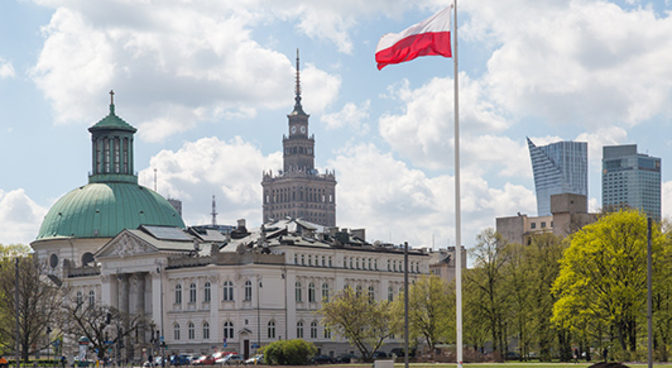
[161, 338]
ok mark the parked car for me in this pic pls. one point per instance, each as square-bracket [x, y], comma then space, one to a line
[346, 358]
[379, 355]
[257, 359]
[204, 360]
[178, 360]
[230, 359]
[321, 359]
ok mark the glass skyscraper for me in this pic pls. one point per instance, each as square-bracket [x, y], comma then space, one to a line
[631, 179]
[560, 167]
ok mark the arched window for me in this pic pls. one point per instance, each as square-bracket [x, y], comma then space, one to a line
[325, 292]
[375, 264]
[389, 268]
[345, 262]
[394, 266]
[228, 330]
[310, 260]
[206, 292]
[80, 299]
[178, 294]
[369, 263]
[297, 291]
[311, 292]
[313, 330]
[176, 331]
[271, 330]
[299, 330]
[92, 299]
[228, 291]
[357, 263]
[248, 290]
[324, 261]
[372, 294]
[191, 331]
[192, 293]
[390, 294]
[327, 333]
[350, 262]
[206, 331]
[329, 261]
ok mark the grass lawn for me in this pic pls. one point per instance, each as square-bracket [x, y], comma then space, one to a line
[521, 365]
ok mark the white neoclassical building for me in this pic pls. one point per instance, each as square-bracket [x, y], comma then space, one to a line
[116, 243]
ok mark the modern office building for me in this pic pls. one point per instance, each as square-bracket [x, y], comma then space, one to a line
[560, 167]
[299, 190]
[631, 179]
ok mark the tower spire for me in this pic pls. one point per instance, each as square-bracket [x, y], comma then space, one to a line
[214, 211]
[298, 109]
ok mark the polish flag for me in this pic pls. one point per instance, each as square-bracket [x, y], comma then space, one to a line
[429, 37]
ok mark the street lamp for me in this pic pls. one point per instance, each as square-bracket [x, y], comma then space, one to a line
[16, 301]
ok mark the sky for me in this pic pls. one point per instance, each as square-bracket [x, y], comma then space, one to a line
[209, 84]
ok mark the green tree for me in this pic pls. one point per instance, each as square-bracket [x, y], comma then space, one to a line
[603, 276]
[487, 282]
[431, 311]
[365, 323]
[517, 273]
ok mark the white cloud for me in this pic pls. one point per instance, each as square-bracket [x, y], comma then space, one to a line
[396, 203]
[607, 136]
[666, 205]
[188, 63]
[20, 217]
[6, 69]
[229, 170]
[351, 116]
[575, 62]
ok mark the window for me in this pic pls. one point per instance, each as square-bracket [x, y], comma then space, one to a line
[357, 263]
[327, 333]
[394, 266]
[191, 331]
[178, 294]
[248, 290]
[313, 330]
[543, 224]
[303, 260]
[192, 293]
[80, 299]
[329, 261]
[228, 330]
[350, 262]
[176, 331]
[358, 291]
[390, 294]
[325, 292]
[311, 292]
[299, 330]
[324, 261]
[375, 264]
[372, 294]
[533, 225]
[271, 330]
[369, 263]
[92, 299]
[228, 291]
[206, 331]
[310, 260]
[345, 262]
[388, 265]
[296, 259]
[206, 292]
[297, 291]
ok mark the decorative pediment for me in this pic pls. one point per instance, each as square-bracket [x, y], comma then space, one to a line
[125, 245]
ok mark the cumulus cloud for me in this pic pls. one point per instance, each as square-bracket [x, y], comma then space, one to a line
[172, 66]
[351, 116]
[607, 136]
[6, 69]
[20, 216]
[575, 62]
[230, 170]
[397, 203]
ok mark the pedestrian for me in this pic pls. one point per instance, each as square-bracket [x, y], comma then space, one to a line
[605, 353]
[64, 360]
[576, 355]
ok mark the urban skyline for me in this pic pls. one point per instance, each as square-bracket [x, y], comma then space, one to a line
[209, 88]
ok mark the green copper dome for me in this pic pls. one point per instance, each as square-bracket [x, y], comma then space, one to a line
[103, 210]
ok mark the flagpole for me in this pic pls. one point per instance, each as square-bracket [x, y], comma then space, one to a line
[458, 210]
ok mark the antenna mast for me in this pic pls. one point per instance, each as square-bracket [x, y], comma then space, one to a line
[214, 211]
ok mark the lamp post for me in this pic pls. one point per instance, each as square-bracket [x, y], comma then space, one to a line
[16, 301]
[258, 313]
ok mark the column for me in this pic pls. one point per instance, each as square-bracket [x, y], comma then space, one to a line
[123, 292]
[156, 297]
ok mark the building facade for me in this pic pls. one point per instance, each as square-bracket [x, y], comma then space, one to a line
[568, 215]
[117, 244]
[560, 167]
[631, 179]
[299, 190]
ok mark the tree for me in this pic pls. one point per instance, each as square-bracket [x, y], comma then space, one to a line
[365, 323]
[518, 286]
[289, 352]
[38, 301]
[487, 282]
[603, 276]
[97, 323]
[431, 311]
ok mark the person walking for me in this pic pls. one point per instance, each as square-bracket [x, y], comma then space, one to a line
[576, 355]
[605, 353]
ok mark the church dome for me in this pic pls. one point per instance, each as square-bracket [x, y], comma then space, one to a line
[103, 210]
[113, 200]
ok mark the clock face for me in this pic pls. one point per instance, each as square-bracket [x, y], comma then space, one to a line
[303, 129]
[294, 129]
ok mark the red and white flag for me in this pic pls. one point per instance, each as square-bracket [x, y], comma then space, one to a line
[429, 37]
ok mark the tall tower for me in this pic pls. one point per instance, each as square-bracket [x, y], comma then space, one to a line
[299, 191]
[631, 179]
[560, 167]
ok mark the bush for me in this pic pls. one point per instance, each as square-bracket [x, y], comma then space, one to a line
[289, 352]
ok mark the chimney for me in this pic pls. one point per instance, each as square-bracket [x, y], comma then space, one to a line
[241, 224]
